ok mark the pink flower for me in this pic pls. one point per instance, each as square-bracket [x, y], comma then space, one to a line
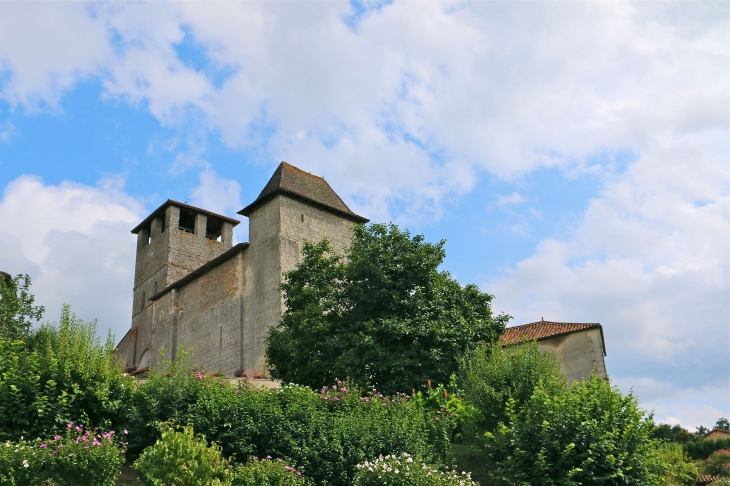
[125, 431]
[70, 424]
[43, 446]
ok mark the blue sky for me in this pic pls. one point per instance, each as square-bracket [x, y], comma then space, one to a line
[573, 155]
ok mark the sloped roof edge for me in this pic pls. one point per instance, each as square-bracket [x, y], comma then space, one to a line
[542, 330]
[170, 202]
[310, 189]
[201, 269]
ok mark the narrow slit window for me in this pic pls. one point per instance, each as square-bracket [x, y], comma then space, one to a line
[220, 338]
[302, 218]
[155, 289]
[144, 300]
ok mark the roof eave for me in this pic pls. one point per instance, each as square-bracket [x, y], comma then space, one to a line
[171, 202]
[248, 210]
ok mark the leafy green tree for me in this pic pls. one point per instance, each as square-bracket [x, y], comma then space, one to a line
[590, 434]
[59, 374]
[382, 316]
[492, 376]
[677, 468]
[722, 423]
[17, 311]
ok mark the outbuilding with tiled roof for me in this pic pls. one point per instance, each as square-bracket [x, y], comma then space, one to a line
[580, 346]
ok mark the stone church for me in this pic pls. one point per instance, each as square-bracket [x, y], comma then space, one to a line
[194, 288]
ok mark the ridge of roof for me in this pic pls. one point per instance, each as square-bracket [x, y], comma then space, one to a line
[201, 269]
[170, 202]
[717, 429]
[546, 329]
[305, 187]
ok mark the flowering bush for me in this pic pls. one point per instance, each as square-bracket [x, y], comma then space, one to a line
[405, 470]
[267, 472]
[181, 457]
[23, 463]
[79, 458]
[327, 432]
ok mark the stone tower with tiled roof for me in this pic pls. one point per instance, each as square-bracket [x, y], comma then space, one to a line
[194, 288]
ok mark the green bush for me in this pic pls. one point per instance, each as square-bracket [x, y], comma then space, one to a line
[79, 458]
[60, 374]
[181, 457]
[676, 467]
[589, 434]
[267, 472]
[447, 402]
[17, 311]
[702, 449]
[492, 376]
[327, 432]
[405, 470]
[718, 464]
[23, 463]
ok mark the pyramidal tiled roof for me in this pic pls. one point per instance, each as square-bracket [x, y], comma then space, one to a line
[303, 186]
[544, 330]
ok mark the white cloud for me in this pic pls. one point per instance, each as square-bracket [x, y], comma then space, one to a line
[407, 110]
[649, 261]
[510, 199]
[219, 195]
[67, 237]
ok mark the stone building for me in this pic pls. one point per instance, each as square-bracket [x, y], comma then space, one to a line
[580, 347]
[194, 288]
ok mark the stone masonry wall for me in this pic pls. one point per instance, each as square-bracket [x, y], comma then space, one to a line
[277, 231]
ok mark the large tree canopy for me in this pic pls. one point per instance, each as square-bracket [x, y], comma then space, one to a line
[382, 316]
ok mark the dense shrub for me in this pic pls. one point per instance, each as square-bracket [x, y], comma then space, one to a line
[492, 376]
[718, 464]
[327, 433]
[589, 434]
[405, 470]
[702, 449]
[60, 374]
[267, 472]
[676, 468]
[447, 401]
[78, 458]
[181, 457]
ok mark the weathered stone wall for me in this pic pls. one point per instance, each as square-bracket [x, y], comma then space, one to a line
[203, 315]
[277, 231]
[581, 353]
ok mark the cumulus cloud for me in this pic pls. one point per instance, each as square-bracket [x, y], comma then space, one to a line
[217, 194]
[405, 106]
[649, 261]
[67, 237]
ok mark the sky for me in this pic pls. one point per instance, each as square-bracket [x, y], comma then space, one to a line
[574, 155]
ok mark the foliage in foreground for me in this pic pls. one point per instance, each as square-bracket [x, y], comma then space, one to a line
[702, 449]
[718, 464]
[17, 312]
[492, 376]
[405, 470]
[327, 432]
[267, 472]
[677, 468]
[181, 457]
[78, 458]
[60, 374]
[384, 316]
[590, 434]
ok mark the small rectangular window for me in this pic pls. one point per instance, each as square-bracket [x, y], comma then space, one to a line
[187, 221]
[302, 218]
[213, 229]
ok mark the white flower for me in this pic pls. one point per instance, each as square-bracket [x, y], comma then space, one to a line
[25, 463]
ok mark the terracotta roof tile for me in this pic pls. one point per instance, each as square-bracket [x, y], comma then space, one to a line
[304, 186]
[707, 479]
[544, 330]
